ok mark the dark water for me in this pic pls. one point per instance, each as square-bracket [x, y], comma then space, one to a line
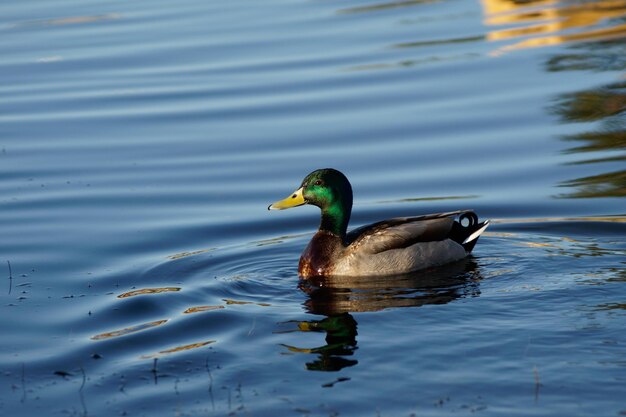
[140, 143]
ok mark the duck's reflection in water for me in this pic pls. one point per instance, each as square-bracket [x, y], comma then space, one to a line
[337, 297]
[341, 334]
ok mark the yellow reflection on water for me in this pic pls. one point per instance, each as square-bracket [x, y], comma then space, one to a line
[128, 330]
[178, 349]
[148, 291]
[550, 22]
[199, 309]
[229, 301]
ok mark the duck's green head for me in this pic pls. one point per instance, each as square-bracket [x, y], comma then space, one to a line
[327, 189]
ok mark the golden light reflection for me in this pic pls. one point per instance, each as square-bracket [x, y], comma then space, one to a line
[537, 245]
[148, 291]
[178, 349]
[228, 301]
[128, 330]
[551, 22]
[567, 247]
[200, 309]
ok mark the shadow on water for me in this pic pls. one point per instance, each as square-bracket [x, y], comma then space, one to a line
[385, 6]
[598, 49]
[337, 297]
[604, 107]
[595, 56]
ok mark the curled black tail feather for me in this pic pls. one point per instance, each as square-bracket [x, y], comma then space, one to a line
[460, 232]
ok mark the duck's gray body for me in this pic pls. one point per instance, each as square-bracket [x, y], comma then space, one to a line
[392, 246]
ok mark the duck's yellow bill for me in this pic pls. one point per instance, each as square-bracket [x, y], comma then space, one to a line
[294, 200]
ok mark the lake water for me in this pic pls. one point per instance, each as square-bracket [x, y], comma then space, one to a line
[141, 142]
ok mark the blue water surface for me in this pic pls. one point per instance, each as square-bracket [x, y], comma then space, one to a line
[141, 142]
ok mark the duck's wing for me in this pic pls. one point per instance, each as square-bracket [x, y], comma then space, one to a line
[402, 232]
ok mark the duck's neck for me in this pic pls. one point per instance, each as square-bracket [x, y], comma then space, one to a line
[335, 218]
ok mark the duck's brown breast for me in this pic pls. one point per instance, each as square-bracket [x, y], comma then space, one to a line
[320, 255]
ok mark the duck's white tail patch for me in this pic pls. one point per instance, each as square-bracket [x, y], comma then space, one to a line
[476, 233]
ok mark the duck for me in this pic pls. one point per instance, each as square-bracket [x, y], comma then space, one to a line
[389, 247]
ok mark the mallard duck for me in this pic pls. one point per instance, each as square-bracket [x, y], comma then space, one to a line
[388, 247]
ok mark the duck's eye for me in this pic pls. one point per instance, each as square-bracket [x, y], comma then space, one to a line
[319, 182]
